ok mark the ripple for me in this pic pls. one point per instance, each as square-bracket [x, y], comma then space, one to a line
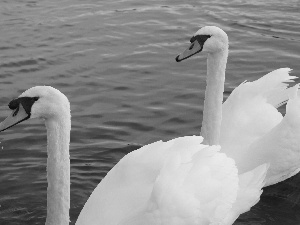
[20, 63]
[131, 125]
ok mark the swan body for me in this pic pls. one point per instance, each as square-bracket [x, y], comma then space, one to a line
[250, 128]
[176, 182]
[250, 116]
[180, 182]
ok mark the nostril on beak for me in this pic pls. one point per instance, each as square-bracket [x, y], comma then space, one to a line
[191, 47]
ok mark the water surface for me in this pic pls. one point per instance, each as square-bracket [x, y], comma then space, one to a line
[115, 60]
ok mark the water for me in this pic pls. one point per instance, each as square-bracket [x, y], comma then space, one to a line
[115, 60]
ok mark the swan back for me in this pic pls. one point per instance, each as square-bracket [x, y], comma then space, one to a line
[177, 182]
[199, 185]
[200, 188]
[264, 135]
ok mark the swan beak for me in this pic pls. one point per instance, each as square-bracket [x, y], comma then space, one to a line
[193, 49]
[197, 43]
[17, 116]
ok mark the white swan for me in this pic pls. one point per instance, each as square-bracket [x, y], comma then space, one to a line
[52, 106]
[252, 130]
[176, 182]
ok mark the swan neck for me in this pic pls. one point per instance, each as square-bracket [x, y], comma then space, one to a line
[212, 115]
[58, 170]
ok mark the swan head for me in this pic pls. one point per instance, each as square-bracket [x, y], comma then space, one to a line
[209, 39]
[42, 102]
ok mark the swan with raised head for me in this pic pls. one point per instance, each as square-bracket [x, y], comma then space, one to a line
[51, 105]
[248, 126]
[177, 182]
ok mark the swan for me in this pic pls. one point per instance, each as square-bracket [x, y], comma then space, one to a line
[53, 107]
[247, 125]
[180, 181]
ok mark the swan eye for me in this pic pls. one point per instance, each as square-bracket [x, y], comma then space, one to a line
[192, 46]
[202, 38]
[26, 102]
[14, 104]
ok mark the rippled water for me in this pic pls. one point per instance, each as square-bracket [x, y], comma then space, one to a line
[115, 60]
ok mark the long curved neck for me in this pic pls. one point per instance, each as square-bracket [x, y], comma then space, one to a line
[58, 170]
[212, 115]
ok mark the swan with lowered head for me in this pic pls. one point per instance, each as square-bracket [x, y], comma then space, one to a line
[248, 126]
[177, 182]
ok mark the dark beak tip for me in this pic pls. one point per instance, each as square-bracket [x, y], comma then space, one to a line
[177, 59]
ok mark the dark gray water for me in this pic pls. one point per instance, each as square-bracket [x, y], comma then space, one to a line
[115, 60]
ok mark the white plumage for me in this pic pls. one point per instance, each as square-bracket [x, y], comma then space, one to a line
[180, 182]
[247, 125]
[254, 132]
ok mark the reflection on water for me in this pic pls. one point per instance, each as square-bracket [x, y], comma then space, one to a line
[115, 60]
